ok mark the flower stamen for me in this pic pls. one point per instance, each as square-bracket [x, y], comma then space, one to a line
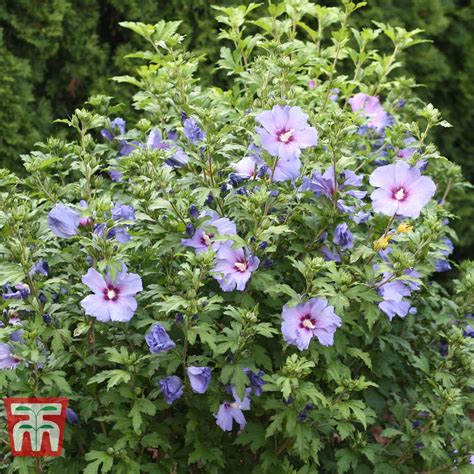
[206, 239]
[400, 194]
[241, 266]
[307, 322]
[111, 293]
[286, 136]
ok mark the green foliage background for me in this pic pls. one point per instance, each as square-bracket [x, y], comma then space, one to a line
[56, 53]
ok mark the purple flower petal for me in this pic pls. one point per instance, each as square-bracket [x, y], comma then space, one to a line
[285, 132]
[63, 221]
[199, 377]
[306, 320]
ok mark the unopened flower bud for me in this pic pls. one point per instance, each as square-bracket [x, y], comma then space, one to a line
[381, 243]
[403, 228]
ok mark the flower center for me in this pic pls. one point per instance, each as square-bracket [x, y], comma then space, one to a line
[286, 136]
[111, 293]
[206, 239]
[400, 194]
[241, 266]
[307, 322]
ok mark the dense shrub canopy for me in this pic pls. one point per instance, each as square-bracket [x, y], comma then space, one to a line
[66, 51]
[242, 278]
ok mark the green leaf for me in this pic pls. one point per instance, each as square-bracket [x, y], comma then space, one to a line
[422, 363]
[92, 468]
[281, 289]
[371, 313]
[253, 436]
[275, 424]
[141, 29]
[11, 273]
[127, 80]
[391, 433]
[364, 356]
[346, 459]
[239, 380]
[99, 457]
[136, 417]
[115, 377]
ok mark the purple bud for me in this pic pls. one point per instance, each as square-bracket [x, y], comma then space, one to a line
[22, 292]
[173, 135]
[17, 336]
[343, 236]
[41, 267]
[116, 176]
[72, 417]
[323, 237]
[107, 134]
[469, 331]
[193, 132]
[225, 188]
[158, 340]
[334, 94]
[84, 221]
[172, 388]
[199, 377]
[123, 212]
[302, 416]
[443, 348]
[262, 171]
[189, 229]
[193, 211]
[267, 263]
[235, 179]
[99, 229]
[256, 381]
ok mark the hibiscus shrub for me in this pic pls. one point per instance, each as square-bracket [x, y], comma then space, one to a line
[244, 279]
